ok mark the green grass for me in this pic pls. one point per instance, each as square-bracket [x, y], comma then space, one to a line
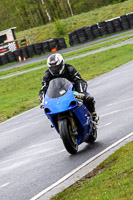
[111, 180]
[20, 93]
[94, 65]
[87, 48]
[92, 48]
[70, 24]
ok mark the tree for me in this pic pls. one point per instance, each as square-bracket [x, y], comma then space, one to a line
[69, 5]
[27, 14]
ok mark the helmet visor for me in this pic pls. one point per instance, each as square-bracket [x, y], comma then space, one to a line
[55, 69]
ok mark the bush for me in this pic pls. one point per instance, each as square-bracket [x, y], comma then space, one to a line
[59, 28]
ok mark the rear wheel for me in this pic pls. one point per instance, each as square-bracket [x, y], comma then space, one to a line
[69, 138]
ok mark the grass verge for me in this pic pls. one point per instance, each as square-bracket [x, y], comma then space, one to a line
[111, 180]
[20, 93]
[96, 46]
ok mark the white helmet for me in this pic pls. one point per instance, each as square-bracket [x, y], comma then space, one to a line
[55, 64]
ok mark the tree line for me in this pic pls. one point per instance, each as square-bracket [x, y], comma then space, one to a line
[25, 14]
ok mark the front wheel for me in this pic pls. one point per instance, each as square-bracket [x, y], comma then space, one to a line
[92, 136]
[68, 137]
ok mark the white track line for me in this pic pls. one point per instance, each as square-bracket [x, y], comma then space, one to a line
[118, 102]
[105, 125]
[116, 111]
[4, 185]
[80, 167]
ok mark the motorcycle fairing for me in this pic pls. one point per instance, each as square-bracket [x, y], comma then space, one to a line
[84, 119]
[60, 104]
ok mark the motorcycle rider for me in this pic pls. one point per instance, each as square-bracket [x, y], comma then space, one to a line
[57, 68]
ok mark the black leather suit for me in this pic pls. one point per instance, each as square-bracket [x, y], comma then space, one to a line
[71, 74]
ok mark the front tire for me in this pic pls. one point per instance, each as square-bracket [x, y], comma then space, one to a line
[69, 139]
[92, 136]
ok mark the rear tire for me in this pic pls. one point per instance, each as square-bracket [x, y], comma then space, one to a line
[69, 139]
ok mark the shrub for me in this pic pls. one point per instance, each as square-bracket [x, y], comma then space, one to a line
[59, 28]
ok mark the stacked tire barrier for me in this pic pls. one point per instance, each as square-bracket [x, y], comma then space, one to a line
[130, 19]
[17, 53]
[89, 33]
[84, 34]
[117, 25]
[110, 27]
[34, 49]
[11, 56]
[102, 28]
[31, 50]
[81, 35]
[4, 59]
[124, 22]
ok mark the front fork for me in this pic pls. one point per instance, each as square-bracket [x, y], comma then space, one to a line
[70, 117]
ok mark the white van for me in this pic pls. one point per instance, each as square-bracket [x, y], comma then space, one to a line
[7, 41]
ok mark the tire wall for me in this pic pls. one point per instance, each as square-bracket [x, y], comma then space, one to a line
[84, 34]
[34, 49]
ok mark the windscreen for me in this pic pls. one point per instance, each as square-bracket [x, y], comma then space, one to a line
[58, 87]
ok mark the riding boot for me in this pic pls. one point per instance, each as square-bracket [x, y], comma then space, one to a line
[95, 117]
[90, 103]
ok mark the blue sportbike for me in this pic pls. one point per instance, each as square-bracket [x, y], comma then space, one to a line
[69, 115]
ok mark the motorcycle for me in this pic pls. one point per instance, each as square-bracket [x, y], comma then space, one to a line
[69, 115]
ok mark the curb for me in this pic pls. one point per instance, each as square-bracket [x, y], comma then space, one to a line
[82, 170]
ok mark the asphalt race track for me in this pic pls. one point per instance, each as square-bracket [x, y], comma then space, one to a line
[32, 155]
